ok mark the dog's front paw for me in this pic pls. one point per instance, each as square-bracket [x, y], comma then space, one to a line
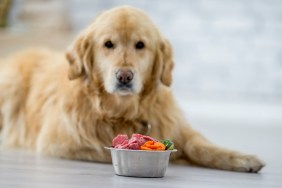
[247, 163]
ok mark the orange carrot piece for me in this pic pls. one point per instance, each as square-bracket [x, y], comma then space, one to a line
[151, 145]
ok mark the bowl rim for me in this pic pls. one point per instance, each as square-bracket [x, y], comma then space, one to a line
[151, 151]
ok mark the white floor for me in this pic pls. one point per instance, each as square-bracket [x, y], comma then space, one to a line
[19, 169]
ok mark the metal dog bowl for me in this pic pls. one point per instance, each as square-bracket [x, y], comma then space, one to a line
[140, 163]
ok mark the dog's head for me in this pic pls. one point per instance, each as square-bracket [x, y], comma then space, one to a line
[123, 52]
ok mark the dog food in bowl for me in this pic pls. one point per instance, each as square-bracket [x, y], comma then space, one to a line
[140, 156]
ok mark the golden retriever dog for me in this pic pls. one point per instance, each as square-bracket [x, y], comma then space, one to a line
[114, 79]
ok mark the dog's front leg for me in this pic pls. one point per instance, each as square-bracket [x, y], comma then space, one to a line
[74, 152]
[200, 151]
[57, 142]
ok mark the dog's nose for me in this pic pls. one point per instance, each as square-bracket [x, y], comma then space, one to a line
[124, 76]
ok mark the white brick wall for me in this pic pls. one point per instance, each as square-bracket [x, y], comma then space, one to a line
[222, 47]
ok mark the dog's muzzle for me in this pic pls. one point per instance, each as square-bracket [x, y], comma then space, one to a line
[124, 79]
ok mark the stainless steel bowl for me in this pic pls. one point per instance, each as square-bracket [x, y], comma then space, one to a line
[140, 163]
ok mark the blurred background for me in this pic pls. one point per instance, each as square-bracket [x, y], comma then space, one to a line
[228, 53]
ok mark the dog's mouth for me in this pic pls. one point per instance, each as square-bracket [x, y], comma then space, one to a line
[124, 89]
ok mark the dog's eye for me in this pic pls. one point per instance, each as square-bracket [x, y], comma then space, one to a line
[140, 45]
[109, 44]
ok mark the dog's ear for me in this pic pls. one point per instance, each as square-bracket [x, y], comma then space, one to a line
[80, 56]
[167, 62]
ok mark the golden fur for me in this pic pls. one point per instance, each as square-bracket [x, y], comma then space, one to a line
[68, 107]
